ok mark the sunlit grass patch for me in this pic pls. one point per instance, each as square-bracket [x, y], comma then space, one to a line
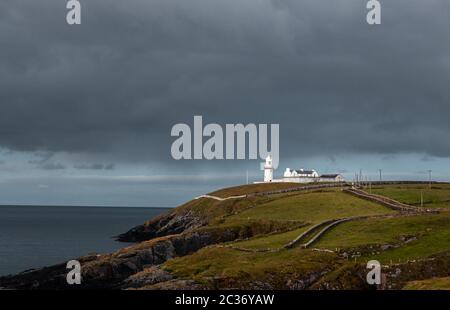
[428, 235]
[312, 207]
[429, 284]
[436, 197]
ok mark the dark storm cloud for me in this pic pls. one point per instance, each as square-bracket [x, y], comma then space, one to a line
[94, 166]
[52, 166]
[426, 158]
[43, 160]
[41, 157]
[116, 84]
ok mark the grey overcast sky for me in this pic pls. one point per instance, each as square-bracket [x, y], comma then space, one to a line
[86, 111]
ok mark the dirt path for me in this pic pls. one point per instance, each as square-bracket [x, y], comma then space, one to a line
[219, 198]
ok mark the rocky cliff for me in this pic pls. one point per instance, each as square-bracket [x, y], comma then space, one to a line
[163, 225]
[112, 270]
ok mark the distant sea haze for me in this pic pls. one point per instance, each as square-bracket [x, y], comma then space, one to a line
[38, 236]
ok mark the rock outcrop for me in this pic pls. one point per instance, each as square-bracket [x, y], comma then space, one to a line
[163, 225]
[111, 270]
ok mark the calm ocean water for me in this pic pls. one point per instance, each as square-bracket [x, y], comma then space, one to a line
[35, 236]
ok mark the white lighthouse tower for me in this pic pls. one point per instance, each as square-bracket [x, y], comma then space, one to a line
[268, 170]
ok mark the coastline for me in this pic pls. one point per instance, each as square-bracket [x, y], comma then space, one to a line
[32, 237]
[210, 243]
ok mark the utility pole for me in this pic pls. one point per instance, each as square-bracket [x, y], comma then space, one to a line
[380, 174]
[421, 198]
[429, 178]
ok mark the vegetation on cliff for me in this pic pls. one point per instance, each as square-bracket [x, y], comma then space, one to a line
[247, 242]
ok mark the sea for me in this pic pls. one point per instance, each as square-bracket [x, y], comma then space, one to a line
[38, 236]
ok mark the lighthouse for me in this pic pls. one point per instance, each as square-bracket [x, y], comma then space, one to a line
[268, 170]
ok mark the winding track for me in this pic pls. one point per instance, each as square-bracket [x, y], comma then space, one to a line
[328, 227]
[219, 198]
[302, 237]
[387, 202]
[280, 191]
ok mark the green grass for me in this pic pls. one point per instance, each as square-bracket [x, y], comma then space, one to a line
[222, 267]
[211, 209]
[429, 284]
[436, 241]
[432, 233]
[271, 241]
[308, 207]
[236, 268]
[436, 197]
[253, 188]
[312, 207]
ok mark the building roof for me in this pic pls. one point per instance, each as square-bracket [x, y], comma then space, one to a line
[305, 171]
[329, 176]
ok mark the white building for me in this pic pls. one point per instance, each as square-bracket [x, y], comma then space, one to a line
[289, 173]
[300, 176]
[332, 178]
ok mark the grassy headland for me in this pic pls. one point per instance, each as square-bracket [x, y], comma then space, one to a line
[247, 242]
[436, 196]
